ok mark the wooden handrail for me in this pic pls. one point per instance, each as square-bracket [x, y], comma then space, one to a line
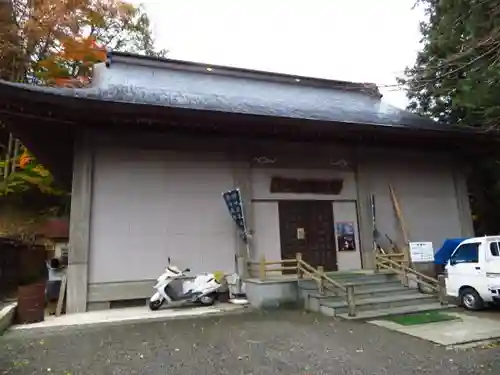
[324, 281]
[273, 262]
[263, 266]
[404, 271]
[405, 274]
[336, 284]
[409, 270]
[302, 269]
[392, 255]
[280, 269]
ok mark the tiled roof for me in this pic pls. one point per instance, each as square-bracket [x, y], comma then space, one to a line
[169, 83]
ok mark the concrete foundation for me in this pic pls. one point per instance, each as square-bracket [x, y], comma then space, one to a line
[7, 313]
[272, 294]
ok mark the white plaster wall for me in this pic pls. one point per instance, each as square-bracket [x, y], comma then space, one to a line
[342, 212]
[149, 205]
[426, 192]
[266, 230]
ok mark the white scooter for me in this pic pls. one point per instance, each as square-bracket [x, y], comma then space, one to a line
[174, 286]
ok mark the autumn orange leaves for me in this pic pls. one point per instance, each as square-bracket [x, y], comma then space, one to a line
[58, 41]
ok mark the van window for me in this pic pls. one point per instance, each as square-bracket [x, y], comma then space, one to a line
[467, 253]
[495, 249]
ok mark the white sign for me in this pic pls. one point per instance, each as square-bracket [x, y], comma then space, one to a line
[421, 252]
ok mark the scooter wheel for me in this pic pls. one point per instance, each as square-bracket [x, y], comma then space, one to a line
[207, 300]
[155, 305]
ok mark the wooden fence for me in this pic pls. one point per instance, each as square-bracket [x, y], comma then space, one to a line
[9, 267]
[303, 270]
[17, 260]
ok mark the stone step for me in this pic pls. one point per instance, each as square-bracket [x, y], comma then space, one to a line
[361, 273]
[351, 276]
[380, 313]
[364, 277]
[333, 308]
[312, 299]
[358, 285]
[381, 291]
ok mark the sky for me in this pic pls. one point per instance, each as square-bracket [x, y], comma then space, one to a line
[355, 40]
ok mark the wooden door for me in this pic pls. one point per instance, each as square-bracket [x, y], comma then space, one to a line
[307, 227]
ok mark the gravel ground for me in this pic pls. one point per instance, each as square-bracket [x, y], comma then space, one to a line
[283, 342]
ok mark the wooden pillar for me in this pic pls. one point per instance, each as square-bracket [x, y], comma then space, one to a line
[262, 268]
[363, 207]
[463, 203]
[300, 274]
[443, 298]
[321, 281]
[79, 231]
[351, 302]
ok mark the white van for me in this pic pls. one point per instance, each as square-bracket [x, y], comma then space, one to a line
[473, 272]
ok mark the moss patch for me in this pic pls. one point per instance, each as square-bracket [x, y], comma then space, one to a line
[421, 318]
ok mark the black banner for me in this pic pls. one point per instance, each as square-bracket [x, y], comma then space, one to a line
[234, 204]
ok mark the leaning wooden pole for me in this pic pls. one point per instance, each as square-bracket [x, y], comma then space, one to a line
[402, 224]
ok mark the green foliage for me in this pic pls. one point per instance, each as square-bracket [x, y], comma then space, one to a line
[456, 79]
[22, 180]
[456, 75]
[28, 174]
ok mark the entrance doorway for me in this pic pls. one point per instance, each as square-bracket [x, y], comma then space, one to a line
[307, 227]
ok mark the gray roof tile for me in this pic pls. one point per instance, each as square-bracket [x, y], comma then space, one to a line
[240, 94]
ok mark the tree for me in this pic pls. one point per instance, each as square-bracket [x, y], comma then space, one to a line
[456, 80]
[57, 42]
[457, 74]
[53, 39]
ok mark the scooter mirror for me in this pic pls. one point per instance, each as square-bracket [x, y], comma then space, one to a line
[168, 260]
[187, 270]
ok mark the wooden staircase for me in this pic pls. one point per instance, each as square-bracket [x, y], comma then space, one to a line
[375, 295]
[392, 288]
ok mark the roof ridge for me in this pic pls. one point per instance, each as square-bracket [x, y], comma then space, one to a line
[368, 88]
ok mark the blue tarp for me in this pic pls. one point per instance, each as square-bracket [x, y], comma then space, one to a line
[444, 253]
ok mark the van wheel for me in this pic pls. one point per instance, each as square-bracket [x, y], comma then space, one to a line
[470, 299]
